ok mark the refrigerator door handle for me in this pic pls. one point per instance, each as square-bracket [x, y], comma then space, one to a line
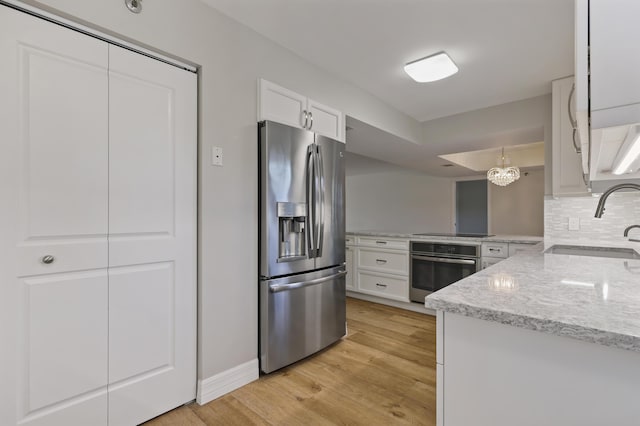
[310, 187]
[320, 234]
[275, 288]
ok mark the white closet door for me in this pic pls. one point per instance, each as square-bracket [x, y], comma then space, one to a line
[53, 201]
[152, 237]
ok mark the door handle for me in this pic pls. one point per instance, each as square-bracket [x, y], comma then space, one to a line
[310, 203]
[311, 120]
[276, 288]
[445, 260]
[321, 188]
[572, 119]
[304, 115]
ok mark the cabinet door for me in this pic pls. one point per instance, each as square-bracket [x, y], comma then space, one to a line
[53, 202]
[567, 165]
[325, 120]
[282, 105]
[383, 285]
[350, 268]
[495, 250]
[614, 66]
[152, 230]
[488, 261]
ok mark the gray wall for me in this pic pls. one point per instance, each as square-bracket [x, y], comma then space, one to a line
[519, 122]
[401, 201]
[230, 58]
[518, 208]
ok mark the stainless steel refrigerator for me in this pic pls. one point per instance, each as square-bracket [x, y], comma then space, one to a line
[302, 248]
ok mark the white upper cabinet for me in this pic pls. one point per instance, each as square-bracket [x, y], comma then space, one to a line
[279, 104]
[580, 103]
[615, 84]
[568, 178]
[608, 87]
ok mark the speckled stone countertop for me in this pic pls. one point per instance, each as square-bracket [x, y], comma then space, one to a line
[523, 239]
[593, 299]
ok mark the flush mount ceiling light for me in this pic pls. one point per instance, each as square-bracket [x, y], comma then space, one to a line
[629, 153]
[432, 68]
[503, 176]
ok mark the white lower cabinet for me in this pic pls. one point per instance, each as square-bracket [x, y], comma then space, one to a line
[495, 252]
[384, 285]
[494, 374]
[387, 261]
[379, 266]
[349, 252]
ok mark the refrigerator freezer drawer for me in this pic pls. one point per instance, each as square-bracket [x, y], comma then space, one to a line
[299, 315]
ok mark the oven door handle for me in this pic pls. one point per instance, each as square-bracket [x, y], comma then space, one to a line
[445, 260]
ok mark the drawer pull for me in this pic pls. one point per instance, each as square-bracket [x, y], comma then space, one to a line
[381, 285]
[381, 242]
[382, 261]
[494, 249]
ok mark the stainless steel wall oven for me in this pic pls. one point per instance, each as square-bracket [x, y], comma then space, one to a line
[436, 265]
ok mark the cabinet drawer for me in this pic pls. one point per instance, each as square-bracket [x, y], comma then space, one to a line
[515, 248]
[349, 281]
[349, 240]
[388, 243]
[495, 250]
[488, 261]
[384, 286]
[388, 261]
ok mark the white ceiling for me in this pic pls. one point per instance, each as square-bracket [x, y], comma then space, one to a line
[506, 50]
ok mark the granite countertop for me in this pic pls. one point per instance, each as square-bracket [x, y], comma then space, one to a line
[522, 239]
[593, 299]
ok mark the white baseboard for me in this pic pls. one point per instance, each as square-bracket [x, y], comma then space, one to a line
[227, 381]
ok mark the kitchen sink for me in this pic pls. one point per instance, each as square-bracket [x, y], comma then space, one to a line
[614, 252]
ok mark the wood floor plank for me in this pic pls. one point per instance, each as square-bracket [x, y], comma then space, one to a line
[401, 338]
[181, 416]
[227, 411]
[381, 373]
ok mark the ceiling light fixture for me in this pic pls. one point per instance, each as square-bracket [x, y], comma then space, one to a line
[629, 152]
[432, 68]
[503, 176]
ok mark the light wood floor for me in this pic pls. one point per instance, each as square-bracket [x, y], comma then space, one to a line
[382, 373]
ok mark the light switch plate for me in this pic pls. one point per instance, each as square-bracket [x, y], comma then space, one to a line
[574, 224]
[216, 156]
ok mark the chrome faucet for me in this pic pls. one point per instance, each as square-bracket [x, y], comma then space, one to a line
[614, 188]
[629, 228]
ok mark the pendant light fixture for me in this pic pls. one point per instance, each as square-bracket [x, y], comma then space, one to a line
[503, 176]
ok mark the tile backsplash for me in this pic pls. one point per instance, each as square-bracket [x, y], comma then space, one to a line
[621, 210]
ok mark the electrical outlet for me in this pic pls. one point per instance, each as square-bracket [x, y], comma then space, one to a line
[216, 156]
[574, 224]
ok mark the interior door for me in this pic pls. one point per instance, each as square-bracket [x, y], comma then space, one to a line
[152, 237]
[471, 206]
[53, 202]
[332, 252]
